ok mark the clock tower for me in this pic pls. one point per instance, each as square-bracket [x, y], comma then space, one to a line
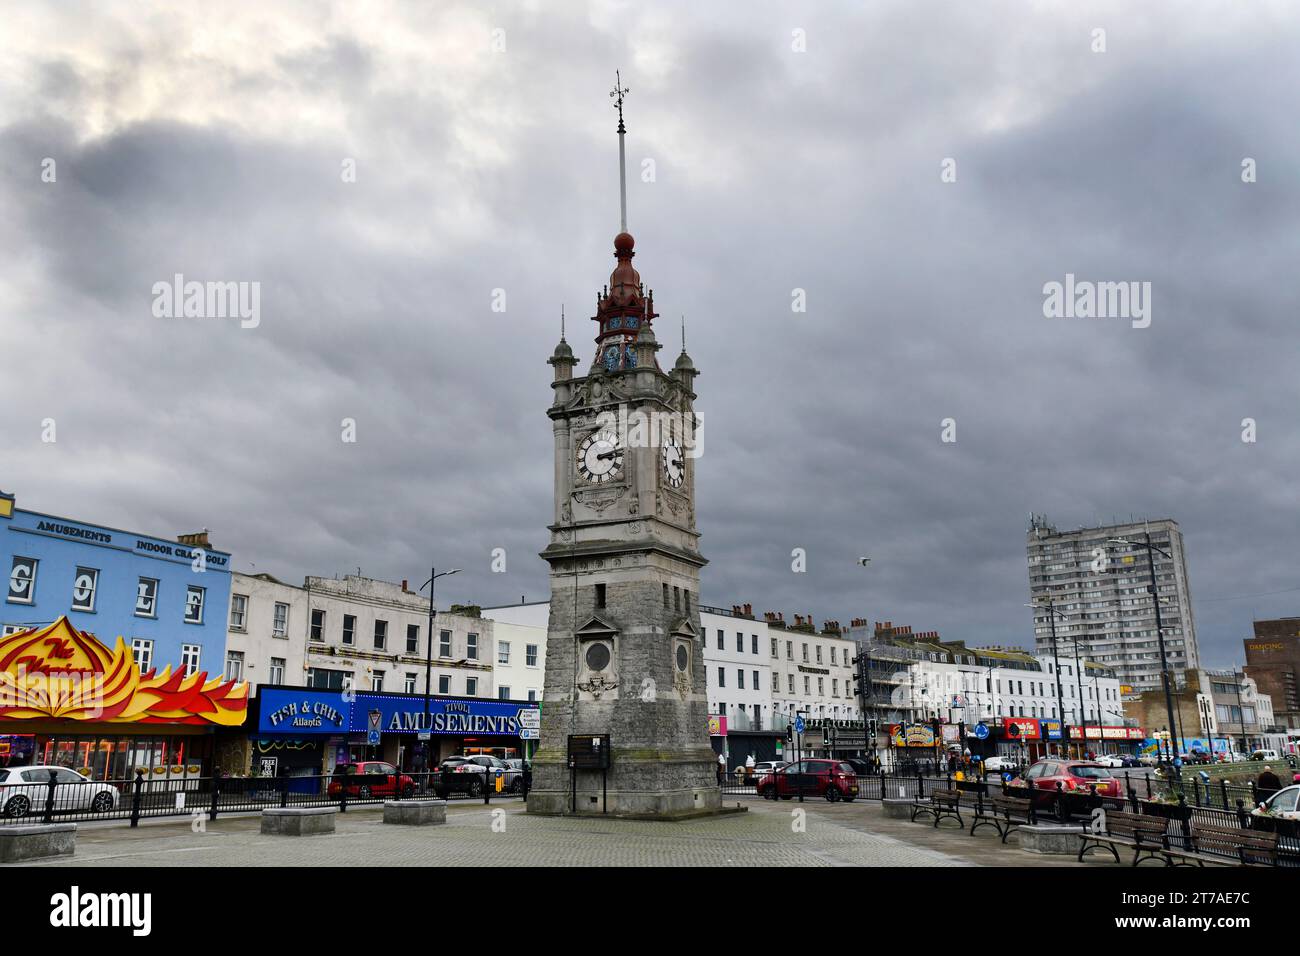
[624, 653]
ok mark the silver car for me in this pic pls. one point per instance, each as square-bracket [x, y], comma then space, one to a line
[24, 790]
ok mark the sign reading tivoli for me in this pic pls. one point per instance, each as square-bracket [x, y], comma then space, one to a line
[624, 650]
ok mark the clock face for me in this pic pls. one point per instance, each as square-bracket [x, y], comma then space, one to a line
[600, 457]
[674, 465]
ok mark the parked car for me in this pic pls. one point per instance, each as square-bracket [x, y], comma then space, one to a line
[1282, 804]
[24, 790]
[765, 767]
[1149, 759]
[469, 775]
[860, 767]
[514, 775]
[1000, 763]
[1195, 757]
[1072, 775]
[369, 778]
[833, 779]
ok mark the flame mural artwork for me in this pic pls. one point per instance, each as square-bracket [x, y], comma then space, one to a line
[61, 672]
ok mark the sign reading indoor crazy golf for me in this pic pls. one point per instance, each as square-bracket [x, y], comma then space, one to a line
[59, 671]
[297, 712]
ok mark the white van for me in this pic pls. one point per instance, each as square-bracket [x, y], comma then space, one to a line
[1265, 755]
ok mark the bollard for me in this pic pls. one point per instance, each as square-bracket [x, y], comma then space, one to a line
[49, 797]
[135, 798]
[216, 795]
[487, 786]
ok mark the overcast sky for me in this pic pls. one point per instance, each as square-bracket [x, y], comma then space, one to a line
[210, 140]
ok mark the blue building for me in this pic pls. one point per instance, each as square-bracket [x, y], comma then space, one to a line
[167, 600]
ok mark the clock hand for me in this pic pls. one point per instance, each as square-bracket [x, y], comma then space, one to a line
[608, 454]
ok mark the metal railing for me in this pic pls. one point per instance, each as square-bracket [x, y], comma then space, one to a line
[61, 800]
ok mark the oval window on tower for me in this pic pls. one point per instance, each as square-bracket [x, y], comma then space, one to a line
[682, 657]
[597, 657]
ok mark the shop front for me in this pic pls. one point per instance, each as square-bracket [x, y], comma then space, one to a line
[310, 731]
[67, 700]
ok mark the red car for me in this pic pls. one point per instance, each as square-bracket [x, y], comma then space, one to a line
[832, 779]
[1073, 775]
[370, 778]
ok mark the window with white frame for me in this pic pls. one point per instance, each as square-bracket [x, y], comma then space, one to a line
[83, 589]
[471, 686]
[194, 604]
[235, 665]
[444, 643]
[238, 610]
[503, 693]
[146, 598]
[377, 680]
[190, 658]
[408, 684]
[530, 655]
[277, 670]
[349, 628]
[142, 651]
[280, 620]
[318, 624]
[412, 638]
[381, 634]
[444, 684]
[22, 580]
[503, 652]
[471, 647]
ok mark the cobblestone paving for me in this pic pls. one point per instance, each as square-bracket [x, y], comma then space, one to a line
[761, 837]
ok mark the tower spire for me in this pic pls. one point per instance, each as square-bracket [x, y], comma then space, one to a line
[561, 321]
[617, 93]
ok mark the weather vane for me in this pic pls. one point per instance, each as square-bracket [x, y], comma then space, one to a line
[617, 94]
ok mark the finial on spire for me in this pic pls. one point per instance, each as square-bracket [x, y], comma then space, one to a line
[683, 332]
[618, 92]
[561, 321]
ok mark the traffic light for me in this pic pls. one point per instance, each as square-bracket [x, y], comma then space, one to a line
[789, 733]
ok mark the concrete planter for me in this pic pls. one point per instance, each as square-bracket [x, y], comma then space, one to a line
[35, 842]
[415, 813]
[298, 821]
[1050, 838]
[897, 809]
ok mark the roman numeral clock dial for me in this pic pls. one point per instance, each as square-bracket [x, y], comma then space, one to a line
[674, 464]
[600, 457]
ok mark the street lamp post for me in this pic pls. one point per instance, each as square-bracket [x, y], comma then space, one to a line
[865, 691]
[434, 574]
[1060, 701]
[1160, 631]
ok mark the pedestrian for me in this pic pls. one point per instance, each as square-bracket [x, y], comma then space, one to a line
[1267, 783]
[722, 768]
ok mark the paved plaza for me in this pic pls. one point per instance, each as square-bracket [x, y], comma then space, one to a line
[504, 835]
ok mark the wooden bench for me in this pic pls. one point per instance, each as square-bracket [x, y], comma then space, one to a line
[941, 804]
[1145, 834]
[1249, 847]
[1004, 814]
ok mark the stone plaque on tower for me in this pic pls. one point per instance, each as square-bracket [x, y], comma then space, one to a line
[624, 653]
